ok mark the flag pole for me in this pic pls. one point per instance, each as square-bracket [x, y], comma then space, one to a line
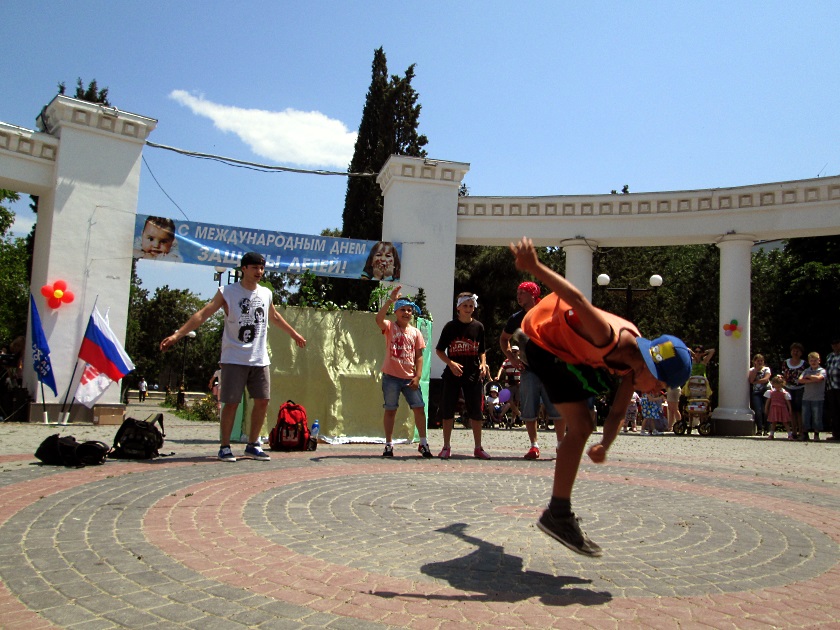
[66, 416]
[44, 405]
[64, 404]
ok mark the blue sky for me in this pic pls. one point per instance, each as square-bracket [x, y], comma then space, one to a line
[541, 98]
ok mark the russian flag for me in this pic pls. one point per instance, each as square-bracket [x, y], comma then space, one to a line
[101, 349]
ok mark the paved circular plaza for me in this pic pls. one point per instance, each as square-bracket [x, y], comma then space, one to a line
[697, 532]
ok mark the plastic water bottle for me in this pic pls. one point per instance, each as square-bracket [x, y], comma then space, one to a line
[313, 436]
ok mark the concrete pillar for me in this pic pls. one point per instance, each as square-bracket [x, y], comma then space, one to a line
[733, 415]
[579, 264]
[421, 212]
[86, 228]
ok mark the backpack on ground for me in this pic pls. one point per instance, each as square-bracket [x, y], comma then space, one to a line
[291, 433]
[58, 450]
[139, 439]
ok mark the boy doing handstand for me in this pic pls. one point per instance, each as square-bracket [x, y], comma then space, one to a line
[573, 347]
[402, 368]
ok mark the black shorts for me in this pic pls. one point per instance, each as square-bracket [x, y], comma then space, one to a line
[563, 381]
[473, 395]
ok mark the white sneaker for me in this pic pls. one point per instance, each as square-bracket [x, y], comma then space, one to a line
[655, 432]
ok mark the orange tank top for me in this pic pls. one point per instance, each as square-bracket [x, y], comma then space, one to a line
[552, 324]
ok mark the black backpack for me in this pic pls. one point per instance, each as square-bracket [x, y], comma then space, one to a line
[139, 439]
[59, 450]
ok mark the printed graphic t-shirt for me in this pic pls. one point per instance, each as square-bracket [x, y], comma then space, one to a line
[464, 344]
[246, 323]
[400, 347]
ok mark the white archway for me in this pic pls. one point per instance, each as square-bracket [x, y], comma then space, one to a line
[84, 165]
[423, 210]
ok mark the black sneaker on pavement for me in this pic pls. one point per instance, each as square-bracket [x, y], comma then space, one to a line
[424, 450]
[567, 531]
[226, 455]
[389, 451]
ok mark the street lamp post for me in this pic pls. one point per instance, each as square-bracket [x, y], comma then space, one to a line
[187, 337]
[233, 275]
[219, 273]
[655, 282]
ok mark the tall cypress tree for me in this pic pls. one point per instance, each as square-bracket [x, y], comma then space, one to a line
[389, 124]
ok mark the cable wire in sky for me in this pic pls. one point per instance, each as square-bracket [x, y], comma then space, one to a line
[162, 190]
[253, 165]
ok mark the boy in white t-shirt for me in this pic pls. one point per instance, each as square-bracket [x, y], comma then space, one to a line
[402, 368]
[248, 310]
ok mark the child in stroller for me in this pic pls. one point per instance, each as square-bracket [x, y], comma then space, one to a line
[495, 409]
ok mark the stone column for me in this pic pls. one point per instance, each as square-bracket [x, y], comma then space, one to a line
[86, 229]
[421, 212]
[579, 264]
[733, 415]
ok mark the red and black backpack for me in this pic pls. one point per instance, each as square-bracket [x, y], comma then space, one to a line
[291, 433]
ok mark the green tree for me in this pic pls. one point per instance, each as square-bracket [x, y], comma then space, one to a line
[91, 94]
[152, 319]
[795, 297]
[390, 120]
[14, 281]
[389, 124]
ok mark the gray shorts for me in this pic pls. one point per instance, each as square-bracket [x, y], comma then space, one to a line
[236, 377]
[531, 392]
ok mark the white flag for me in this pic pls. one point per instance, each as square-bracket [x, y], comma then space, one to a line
[93, 384]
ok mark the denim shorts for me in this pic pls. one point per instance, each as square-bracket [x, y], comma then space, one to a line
[391, 388]
[531, 392]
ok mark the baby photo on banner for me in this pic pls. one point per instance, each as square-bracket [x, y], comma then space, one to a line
[160, 238]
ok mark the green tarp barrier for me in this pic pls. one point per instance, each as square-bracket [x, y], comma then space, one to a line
[337, 377]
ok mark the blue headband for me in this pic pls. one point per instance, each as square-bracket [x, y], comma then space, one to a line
[401, 303]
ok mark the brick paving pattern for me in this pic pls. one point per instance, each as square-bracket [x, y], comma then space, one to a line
[697, 533]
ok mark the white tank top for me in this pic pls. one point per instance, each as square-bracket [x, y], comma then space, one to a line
[246, 323]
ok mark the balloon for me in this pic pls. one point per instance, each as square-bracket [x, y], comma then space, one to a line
[728, 333]
[57, 294]
[734, 322]
[504, 395]
[737, 334]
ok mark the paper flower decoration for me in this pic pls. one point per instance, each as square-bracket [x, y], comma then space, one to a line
[732, 329]
[57, 294]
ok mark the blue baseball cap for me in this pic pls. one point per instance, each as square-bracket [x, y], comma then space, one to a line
[667, 358]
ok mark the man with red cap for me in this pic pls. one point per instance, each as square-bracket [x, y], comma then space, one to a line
[531, 390]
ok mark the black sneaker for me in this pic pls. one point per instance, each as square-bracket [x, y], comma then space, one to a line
[389, 451]
[567, 531]
[424, 450]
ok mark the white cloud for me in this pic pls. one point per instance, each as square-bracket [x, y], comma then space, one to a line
[308, 139]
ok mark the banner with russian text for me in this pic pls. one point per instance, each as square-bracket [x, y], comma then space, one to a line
[160, 238]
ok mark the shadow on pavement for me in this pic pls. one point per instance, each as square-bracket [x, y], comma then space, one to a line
[499, 577]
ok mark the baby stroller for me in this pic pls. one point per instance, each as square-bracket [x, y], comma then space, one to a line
[697, 413]
[493, 414]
